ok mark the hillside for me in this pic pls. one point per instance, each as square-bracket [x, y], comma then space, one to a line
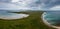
[34, 21]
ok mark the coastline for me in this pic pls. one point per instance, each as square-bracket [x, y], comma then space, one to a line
[48, 24]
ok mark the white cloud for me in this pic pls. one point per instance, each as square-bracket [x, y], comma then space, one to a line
[14, 0]
[55, 8]
[23, 2]
[20, 4]
[8, 6]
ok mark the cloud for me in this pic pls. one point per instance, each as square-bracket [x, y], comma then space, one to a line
[31, 4]
[14, 0]
[55, 8]
[21, 4]
[8, 6]
[5, 1]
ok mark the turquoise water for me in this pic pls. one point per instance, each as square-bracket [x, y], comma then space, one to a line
[8, 15]
[53, 18]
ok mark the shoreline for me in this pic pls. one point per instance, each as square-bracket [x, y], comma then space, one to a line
[48, 24]
[14, 17]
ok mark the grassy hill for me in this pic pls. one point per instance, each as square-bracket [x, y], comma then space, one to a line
[34, 21]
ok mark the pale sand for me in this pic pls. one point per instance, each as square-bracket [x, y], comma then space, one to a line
[15, 16]
[45, 21]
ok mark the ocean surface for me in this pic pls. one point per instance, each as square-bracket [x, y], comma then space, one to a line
[4, 14]
[53, 18]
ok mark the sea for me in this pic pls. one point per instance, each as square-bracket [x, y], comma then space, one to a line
[5, 14]
[52, 17]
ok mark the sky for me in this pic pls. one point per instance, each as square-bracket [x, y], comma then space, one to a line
[30, 5]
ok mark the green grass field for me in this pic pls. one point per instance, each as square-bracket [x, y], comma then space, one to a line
[34, 21]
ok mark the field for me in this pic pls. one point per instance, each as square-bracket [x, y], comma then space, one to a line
[34, 21]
